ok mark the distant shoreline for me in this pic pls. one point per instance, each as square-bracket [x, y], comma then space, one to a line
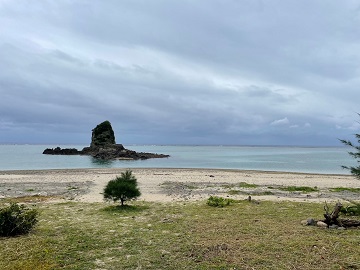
[168, 185]
[27, 171]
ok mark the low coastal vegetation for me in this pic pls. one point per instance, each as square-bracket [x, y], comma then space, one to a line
[181, 235]
[16, 219]
[341, 189]
[303, 189]
[218, 201]
[351, 210]
[240, 185]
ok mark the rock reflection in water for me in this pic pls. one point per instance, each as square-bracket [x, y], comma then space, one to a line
[102, 162]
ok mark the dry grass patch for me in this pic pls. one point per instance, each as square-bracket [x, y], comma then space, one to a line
[29, 199]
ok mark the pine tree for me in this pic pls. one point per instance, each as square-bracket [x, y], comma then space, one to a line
[356, 154]
[122, 188]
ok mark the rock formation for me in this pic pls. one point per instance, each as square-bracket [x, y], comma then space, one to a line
[59, 151]
[102, 135]
[103, 146]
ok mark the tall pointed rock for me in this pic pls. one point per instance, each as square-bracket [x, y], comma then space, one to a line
[102, 135]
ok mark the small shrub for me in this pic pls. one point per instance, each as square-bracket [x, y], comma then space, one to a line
[218, 201]
[351, 210]
[122, 188]
[234, 192]
[17, 219]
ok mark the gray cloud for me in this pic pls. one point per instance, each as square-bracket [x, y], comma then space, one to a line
[220, 72]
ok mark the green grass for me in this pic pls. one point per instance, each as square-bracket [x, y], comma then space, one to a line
[247, 185]
[235, 192]
[298, 188]
[192, 235]
[240, 185]
[72, 188]
[340, 189]
[216, 201]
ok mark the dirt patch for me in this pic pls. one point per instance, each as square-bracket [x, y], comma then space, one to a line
[65, 190]
[189, 190]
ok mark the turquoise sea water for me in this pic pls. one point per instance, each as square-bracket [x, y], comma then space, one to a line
[291, 159]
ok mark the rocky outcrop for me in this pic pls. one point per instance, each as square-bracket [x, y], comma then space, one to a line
[118, 151]
[102, 135]
[103, 146]
[59, 151]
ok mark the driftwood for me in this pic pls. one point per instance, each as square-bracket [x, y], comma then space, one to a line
[333, 217]
[350, 223]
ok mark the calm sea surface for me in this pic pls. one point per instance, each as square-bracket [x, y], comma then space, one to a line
[290, 159]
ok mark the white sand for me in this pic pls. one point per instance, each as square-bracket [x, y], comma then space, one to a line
[151, 183]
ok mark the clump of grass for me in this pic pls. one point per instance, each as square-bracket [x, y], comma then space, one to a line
[340, 189]
[216, 201]
[235, 192]
[299, 188]
[228, 186]
[265, 193]
[240, 185]
[246, 185]
[187, 186]
[72, 188]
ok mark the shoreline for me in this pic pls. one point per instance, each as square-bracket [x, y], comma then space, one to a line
[166, 168]
[177, 184]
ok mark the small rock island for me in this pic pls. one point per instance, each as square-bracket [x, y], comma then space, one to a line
[103, 146]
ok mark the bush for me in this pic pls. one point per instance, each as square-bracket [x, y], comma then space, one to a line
[351, 210]
[17, 219]
[122, 188]
[218, 201]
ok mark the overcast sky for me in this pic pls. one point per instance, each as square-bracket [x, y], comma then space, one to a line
[245, 72]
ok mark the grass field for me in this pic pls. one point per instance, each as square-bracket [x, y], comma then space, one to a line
[189, 235]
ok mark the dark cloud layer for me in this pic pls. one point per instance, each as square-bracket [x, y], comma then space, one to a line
[180, 72]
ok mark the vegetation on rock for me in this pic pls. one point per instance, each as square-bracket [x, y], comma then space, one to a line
[102, 135]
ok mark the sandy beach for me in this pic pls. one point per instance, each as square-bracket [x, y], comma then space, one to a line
[167, 185]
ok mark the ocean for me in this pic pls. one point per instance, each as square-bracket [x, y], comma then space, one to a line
[327, 160]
